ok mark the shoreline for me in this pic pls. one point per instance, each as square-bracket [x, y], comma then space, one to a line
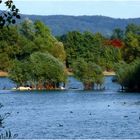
[109, 73]
[3, 74]
[105, 73]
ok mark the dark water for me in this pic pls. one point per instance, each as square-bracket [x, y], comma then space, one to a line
[72, 113]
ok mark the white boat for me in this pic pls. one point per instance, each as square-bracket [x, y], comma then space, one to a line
[23, 88]
[62, 88]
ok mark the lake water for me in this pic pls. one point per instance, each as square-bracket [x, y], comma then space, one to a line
[71, 113]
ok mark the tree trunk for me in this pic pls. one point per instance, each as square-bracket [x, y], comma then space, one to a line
[88, 86]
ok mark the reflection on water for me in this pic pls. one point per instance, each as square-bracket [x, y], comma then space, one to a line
[108, 84]
[73, 113]
[72, 83]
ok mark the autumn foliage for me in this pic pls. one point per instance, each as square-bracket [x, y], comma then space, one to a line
[115, 43]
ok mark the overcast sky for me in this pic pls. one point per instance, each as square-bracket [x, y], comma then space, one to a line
[111, 8]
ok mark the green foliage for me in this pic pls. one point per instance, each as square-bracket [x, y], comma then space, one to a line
[132, 28]
[90, 47]
[89, 73]
[129, 75]
[9, 47]
[37, 37]
[5, 62]
[21, 46]
[41, 67]
[19, 42]
[117, 34]
[27, 29]
[20, 72]
[131, 51]
[47, 68]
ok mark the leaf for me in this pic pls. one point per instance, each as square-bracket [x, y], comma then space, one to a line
[13, 21]
[13, 7]
[5, 14]
[2, 22]
[14, 14]
[1, 18]
[9, 13]
[18, 16]
[17, 10]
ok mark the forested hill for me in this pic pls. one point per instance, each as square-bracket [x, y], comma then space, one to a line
[61, 24]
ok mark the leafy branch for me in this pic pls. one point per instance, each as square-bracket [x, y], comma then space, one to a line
[9, 15]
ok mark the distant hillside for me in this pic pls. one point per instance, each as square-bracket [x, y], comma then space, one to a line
[61, 24]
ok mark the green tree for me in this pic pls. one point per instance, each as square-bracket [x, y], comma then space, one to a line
[9, 47]
[129, 75]
[89, 73]
[131, 51]
[26, 29]
[39, 38]
[38, 71]
[90, 47]
[20, 72]
[117, 34]
[4, 62]
[47, 68]
[18, 46]
[132, 28]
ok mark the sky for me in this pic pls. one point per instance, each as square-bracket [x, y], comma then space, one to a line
[111, 8]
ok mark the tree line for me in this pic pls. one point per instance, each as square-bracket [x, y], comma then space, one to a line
[33, 56]
[107, 53]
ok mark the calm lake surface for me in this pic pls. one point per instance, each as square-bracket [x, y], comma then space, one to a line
[71, 113]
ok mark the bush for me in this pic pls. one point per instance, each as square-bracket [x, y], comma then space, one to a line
[129, 76]
[88, 72]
